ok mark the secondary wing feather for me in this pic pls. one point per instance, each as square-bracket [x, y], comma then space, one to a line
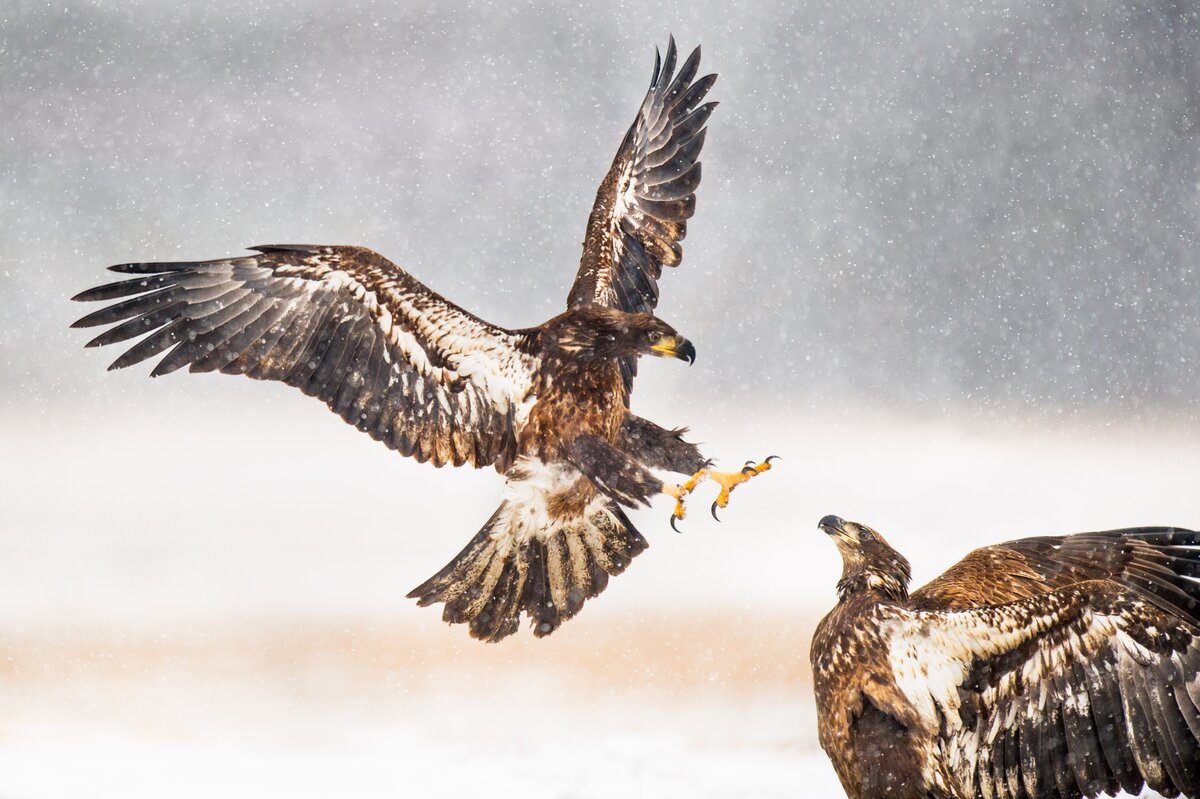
[343, 324]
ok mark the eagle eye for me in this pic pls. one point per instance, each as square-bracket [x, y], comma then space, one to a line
[655, 336]
[864, 535]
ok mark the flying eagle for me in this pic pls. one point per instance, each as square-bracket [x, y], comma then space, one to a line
[547, 406]
[1061, 666]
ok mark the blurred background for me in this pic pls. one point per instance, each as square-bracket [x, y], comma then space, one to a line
[944, 263]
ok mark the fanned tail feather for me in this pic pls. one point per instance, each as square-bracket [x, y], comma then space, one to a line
[513, 566]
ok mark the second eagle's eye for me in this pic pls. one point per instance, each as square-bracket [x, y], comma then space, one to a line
[655, 336]
[864, 535]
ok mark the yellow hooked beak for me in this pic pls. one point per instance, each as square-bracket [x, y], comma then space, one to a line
[675, 347]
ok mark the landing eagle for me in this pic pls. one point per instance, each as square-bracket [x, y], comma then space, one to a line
[1062, 666]
[547, 406]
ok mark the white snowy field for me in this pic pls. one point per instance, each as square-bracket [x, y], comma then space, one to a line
[207, 598]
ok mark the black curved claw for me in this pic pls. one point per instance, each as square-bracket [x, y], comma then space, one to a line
[673, 527]
[713, 510]
[772, 458]
[748, 463]
[749, 470]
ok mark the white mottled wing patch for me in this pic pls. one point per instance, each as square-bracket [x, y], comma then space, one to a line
[983, 678]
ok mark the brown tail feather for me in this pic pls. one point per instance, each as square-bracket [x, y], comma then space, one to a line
[509, 568]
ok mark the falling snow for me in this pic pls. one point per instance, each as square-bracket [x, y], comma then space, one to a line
[943, 262]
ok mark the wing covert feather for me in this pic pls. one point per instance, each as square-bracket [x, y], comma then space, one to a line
[1156, 561]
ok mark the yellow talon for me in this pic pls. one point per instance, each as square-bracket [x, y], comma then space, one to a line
[681, 490]
[730, 480]
[691, 483]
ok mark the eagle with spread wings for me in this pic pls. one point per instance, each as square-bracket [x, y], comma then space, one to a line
[1062, 666]
[547, 406]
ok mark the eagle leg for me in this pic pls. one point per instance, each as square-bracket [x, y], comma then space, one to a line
[731, 480]
[658, 447]
[679, 491]
[612, 471]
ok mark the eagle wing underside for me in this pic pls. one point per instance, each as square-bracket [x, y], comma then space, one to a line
[647, 196]
[342, 324]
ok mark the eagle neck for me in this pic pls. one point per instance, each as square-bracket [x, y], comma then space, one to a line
[569, 372]
[882, 586]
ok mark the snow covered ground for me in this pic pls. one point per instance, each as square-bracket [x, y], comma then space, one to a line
[207, 598]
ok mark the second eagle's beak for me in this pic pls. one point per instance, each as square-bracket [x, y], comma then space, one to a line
[832, 525]
[675, 347]
[837, 528]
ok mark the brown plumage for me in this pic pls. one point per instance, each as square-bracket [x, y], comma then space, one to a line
[547, 406]
[1063, 666]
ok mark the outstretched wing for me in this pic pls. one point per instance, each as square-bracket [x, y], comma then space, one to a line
[1144, 559]
[342, 324]
[645, 200]
[1073, 690]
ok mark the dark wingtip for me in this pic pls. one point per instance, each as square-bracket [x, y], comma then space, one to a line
[691, 63]
[668, 64]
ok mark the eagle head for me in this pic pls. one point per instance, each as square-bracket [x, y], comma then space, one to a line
[594, 331]
[868, 561]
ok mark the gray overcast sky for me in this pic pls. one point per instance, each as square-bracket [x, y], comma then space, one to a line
[912, 203]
